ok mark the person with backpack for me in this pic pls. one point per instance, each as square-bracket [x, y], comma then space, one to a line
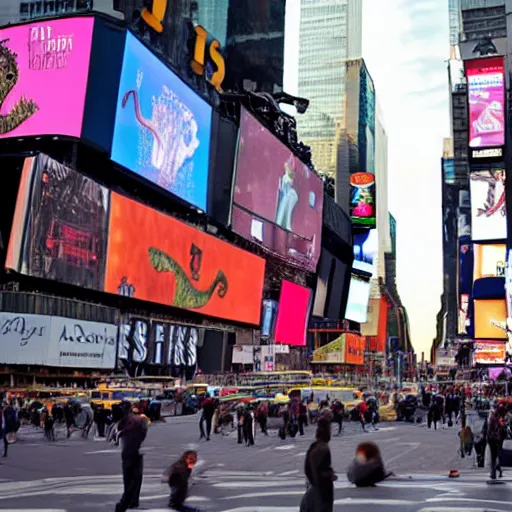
[495, 436]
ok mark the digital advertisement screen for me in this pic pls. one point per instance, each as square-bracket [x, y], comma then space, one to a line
[277, 199]
[488, 212]
[486, 98]
[490, 319]
[449, 171]
[45, 67]
[464, 320]
[490, 260]
[365, 250]
[173, 263]
[358, 297]
[489, 352]
[508, 285]
[292, 314]
[63, 217]
[162, 127]
[466, 265]
[362, 199]
[354, 349]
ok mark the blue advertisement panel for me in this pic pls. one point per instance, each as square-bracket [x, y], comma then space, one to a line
[162, 127]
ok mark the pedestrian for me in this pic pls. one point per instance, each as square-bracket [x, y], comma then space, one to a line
[178, 477]
[495, 436]
[49, 432]
[240, 414]
[132, 432]
[433, 414]
[362, 410]
[208, 407]
[3, 431]
[249, 427]
[9, 424]
[319, 473]
[303, 417]
[367, 468]
[262, 416]
[337, 415]
[70, 419]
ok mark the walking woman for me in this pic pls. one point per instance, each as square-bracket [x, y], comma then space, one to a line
[495, 437]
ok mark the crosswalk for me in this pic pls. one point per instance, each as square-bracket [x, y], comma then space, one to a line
[223, 490]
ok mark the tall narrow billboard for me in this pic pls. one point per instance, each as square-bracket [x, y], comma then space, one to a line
[486, 99]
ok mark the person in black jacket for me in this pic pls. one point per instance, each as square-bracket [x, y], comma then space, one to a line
[367, 468]
[132, 432]
[178, 477]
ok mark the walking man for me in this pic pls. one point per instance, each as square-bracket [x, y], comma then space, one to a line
[132, 432]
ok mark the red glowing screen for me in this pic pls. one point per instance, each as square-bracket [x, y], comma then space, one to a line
[292, 315]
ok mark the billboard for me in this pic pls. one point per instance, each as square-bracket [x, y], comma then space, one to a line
[147, 344]
[354, 349]
[466, 265]
[358, 297]
[277, 199]
[162, 127]
[490, 319]
[366, 246]
[448, 170]
[508, 285]
[173, 263]
[56, 341]
[464, 322]
[486, 97]
[292, 314]
[362, 199]
[490, 260]
[489, 352]
[63, 217]
[331, 353]
[45, 67]
[446, 356]
[488, 213]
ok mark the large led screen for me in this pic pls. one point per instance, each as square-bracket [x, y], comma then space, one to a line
[44, 73]
[508, 285]
[277, 199]
[489, 352]
[362, 199]
[464, 321]
[358, 298]
[292, 314]
[365, 250]
[162, 127]
[489, 260]
[488, 213]
[490, 319]
[466, 265]
[60, 225]
[154, 257]
[486, 96]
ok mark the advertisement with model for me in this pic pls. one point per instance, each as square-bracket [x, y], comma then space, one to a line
[486, 100]
[56, 341]
[45, 67]
[277, 199]
[66, 234]
[488, 209]
[162, 127]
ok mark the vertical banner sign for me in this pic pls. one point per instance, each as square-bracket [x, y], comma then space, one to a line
[486, 99]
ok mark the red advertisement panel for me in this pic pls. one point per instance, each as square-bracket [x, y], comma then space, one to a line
[354, 349]
[277, 200]
[486, 97]
[154, 257]
[489, 352]
[292, 315]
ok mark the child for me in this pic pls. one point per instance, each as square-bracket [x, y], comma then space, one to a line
[177, 477]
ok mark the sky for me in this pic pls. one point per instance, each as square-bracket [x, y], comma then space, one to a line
[405, 46]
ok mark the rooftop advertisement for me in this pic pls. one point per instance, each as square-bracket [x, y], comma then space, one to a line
[488, 213]
[486, 96]
[162, 127]
[293, 314]
[277, 199]
[44, 74]
[362, 199]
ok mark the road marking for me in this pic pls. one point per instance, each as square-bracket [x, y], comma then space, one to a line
[285, 447]
[416, 445]
[374, 501]
[287, 473]
[102, 451]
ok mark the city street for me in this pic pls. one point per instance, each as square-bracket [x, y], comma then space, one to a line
[78, 475]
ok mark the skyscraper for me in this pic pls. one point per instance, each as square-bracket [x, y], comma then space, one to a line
[330, 33]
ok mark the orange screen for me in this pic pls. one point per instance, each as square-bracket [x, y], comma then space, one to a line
[487, 314]
[354, 351]
[488, 259]
[168, 262]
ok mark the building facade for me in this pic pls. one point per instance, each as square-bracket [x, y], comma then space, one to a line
[330, 33]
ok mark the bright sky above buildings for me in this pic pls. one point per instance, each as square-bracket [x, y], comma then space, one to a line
[405, 45]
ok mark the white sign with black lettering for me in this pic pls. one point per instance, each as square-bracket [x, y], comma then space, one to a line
[56, 341]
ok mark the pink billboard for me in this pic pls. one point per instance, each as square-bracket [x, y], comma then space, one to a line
[277, 199]
[486, 97]
[44, 77]
[292, 314]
